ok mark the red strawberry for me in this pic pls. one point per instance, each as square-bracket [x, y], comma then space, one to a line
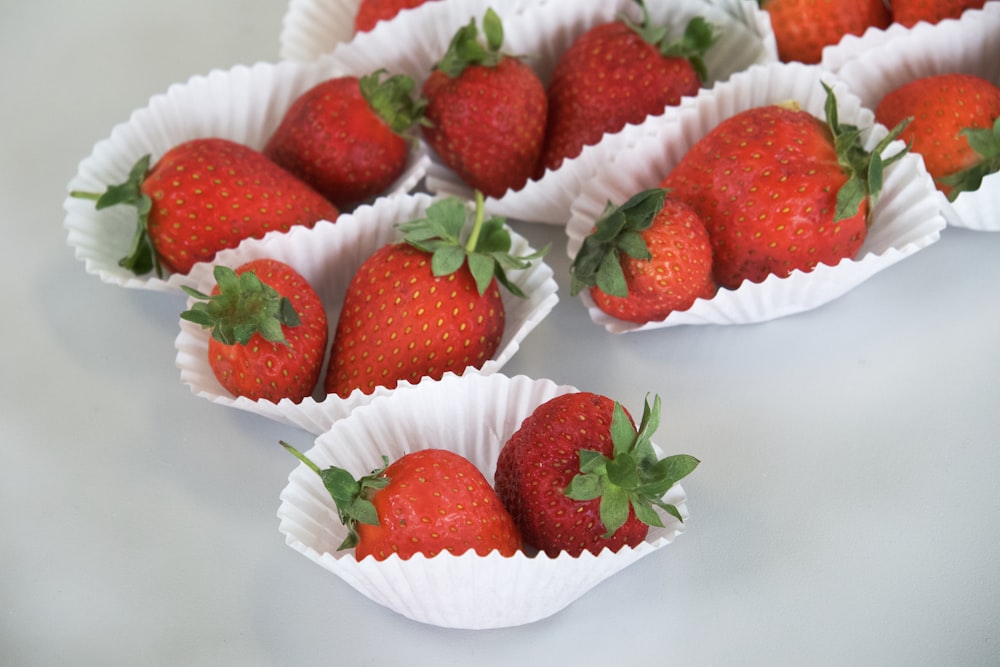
[955, 127]
[429, 501]
[485, 111]
[346, 136]
[803, 27]
[909, 12]
[206, 195]
[577, 476]
[780, 190]
[645, 259]
[269, 330]
[619, 73]
[426, 305]
[370, 12]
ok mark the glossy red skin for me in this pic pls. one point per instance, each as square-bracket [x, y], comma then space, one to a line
[941, 107]
[678, 273]
[370, 12]
[802, 28]
[909, 12]
[210, 194]
[487, 124]
[537, 463]
[609, 77]
[399, 322]
[333, 140]
[262, 370]
[765, 182]
[436, 501]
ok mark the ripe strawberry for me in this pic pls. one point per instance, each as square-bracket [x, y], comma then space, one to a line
[346, 137]
[269, 330]
[645, 259]
[909, 12]
[955, 127]
[619, 73]
[780, 190]
[428, 501]
[370, 12]
[803, 27]
[577, 476]
[485, 111]
[426, 305]
[205, 195]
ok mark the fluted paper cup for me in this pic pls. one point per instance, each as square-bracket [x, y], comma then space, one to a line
[473, 416]
[328, 256]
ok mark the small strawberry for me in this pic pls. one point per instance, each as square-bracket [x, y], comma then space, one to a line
[485, 111]
[346, 136]
[269, 330]
[910, 12]
[955, 127]
[618, 73]
[370, 12]
[205, 195]
[780, 190]
[802, 28]
[645, 259]
[426, 305]
[578, 476]
[429, 501]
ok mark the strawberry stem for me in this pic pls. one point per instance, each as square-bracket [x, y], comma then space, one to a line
[477, 225]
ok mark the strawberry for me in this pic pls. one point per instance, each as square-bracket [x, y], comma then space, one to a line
[955, 127]
[909, 12]
[269, 330]
[645, 259]
[205, 195]
[485, 111]
[578, 476]
[618, 73]
[370, 12]
[780, 190]
[425, 305]
[802, 28]
[429, 501]
[346, 136]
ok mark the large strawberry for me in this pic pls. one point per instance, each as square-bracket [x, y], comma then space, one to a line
[618, 73]
[955, 127]
[578, 476]
[425, 305]
[802, 28]
[485, 111]
[347, 136]
[370, 12]
[645, 259]
[429, 501]
[909, 12]
[205, 195]
[269, 330]
[780, 190]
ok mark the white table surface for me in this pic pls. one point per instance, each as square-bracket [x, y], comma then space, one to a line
[846, 511]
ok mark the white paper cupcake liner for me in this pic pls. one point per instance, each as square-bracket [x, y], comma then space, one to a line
[906, 218]
[968, 45]
[473, 416]
[328, 256]
[243, 104]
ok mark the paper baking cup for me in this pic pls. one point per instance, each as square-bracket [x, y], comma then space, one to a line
[968, 45]
[328, 256]
[906, 218]
[473, 416]
[243, 104]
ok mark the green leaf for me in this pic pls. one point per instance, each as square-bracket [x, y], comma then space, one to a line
[622, 471]
[633, 245]
[614, 508]
[447, 260]
[465, 50]
[482, 269]
[584, 487]
[610, 277]
[393, 100]
[493, 30]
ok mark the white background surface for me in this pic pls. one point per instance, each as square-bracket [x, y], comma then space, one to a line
[846, 511]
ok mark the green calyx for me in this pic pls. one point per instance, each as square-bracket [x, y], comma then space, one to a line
[986, 143]
[865, 170]
[466, 49]
[618, 230]
[351, 496]
[486, 249]
[393, 100]
[142, 257]
[634, 477]
[244, 306]
[699, 36]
